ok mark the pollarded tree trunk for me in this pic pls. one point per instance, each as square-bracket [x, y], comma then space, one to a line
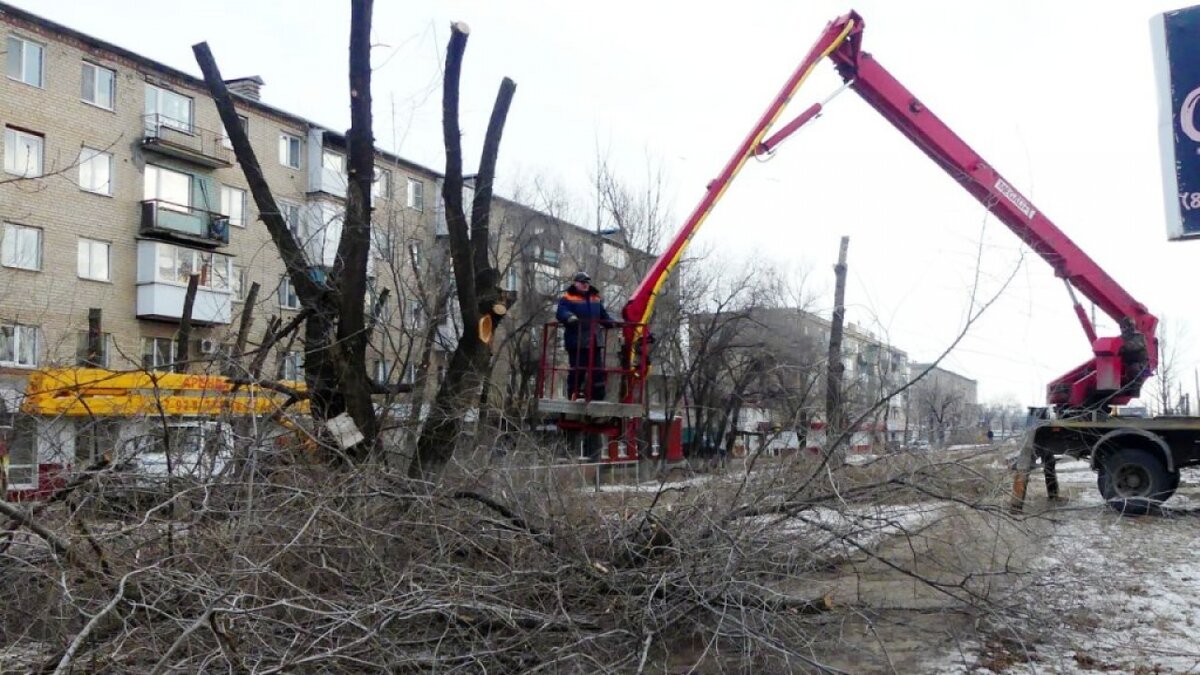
[480, 298]
[354, 248]
[835, 413]
[334, 337]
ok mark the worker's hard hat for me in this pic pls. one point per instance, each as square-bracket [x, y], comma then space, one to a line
[582, 276]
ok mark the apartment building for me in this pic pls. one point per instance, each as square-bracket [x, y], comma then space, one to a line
[787, 349]
[119, 183]
[944, 406]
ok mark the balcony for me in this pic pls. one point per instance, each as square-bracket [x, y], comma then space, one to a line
[184, 224]
[175, 138]
[330, 181]
[164, 302]
[162, 273]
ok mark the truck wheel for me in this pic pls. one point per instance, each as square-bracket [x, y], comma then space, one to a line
[1134, 481]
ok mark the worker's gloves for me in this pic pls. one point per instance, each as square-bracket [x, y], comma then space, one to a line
[572, 319]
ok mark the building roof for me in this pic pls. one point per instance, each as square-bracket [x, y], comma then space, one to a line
[338, 138]
[94, 43]
[923, 366]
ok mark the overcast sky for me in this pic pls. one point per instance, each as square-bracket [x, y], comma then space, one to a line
[1058, 96]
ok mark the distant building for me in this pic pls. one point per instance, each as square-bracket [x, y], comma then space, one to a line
[783, 353]
[944, 406]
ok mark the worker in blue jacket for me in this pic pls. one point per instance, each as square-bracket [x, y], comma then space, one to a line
[582, 313]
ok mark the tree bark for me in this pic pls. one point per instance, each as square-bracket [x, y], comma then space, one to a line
[247, 320]
[835, 422]
[481, 209]
[184, 340]
[334, 339]
[354, 248]
[477, 284]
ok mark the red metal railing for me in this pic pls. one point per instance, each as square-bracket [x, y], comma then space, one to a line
[600, 367]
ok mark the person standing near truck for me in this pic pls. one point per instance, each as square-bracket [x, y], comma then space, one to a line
[580, 309]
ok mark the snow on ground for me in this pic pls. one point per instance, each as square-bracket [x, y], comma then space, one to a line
[839, 533]
[654, 486]
[1126, 591]
[1119, 593]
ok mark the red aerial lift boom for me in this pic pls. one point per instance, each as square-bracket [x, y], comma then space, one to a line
[1137, 459]
[1118, 366]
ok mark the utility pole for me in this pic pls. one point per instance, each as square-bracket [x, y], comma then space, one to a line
[835, 422]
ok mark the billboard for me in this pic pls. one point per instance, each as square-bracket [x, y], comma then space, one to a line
[1176, 40]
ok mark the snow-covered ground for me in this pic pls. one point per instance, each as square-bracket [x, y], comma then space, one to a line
[1120, 594]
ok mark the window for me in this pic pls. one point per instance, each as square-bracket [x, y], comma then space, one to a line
[95, 171]
[99, 85]
[94, 438]
[376, 306]
[218, 271]
[93, 259]
[172, 189]
[545, 253]
[24, 61]
[416, 194]
[18, 345]
[158, 353]
[100, 358]
[289, 150]
[177, 264]
[287, 295]
[238, 283]
[22, 153]
[512, 278]
[22, 454]
[166, 108]
[412, 310]
[382, 187]
[614, 256]
[545, 279]
[21, 247]
[334, 161]
[233, 204]
[245, 122]
[383, 370]
[381, 237]
[414, 254]
[410, 374]
[291, 367]
[291, 216]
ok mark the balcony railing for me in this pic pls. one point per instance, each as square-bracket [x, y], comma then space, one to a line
[183, 140]
[184, 223]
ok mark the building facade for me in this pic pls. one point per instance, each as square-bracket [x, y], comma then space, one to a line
[944, 406]
[771, 377]
[119, 184]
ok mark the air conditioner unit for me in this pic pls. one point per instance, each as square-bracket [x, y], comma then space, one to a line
[209, 346]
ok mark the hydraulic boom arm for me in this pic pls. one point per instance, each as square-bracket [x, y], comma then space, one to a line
[1119, 365]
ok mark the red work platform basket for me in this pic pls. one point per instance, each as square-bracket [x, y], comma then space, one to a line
[600, 388]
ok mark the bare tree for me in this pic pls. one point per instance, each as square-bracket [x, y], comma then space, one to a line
[334, 336]
[481, 301]
[1170, 378]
